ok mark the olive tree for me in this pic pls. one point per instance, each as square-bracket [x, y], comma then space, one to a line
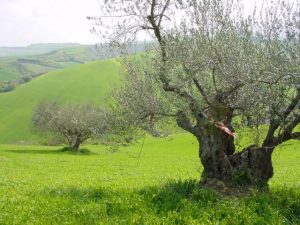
[212, 66]
[76, 122]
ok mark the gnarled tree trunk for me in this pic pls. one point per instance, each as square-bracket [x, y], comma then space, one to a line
[217, 153]
[251, 166]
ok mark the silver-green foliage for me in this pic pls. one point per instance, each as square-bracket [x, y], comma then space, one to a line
[210, 54]
[76, 122]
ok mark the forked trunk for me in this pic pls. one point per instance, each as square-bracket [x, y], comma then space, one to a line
[251, 166]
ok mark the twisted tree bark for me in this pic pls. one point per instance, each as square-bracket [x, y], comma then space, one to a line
[217, 153]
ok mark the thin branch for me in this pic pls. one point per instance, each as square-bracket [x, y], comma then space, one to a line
[214, 79]
[158, 114]
[201, 90]
[163, 12]
[153, 3]
[286, 134]
[184, 122]
[270, 139]
[296, 135]
[162, 75]
[233, 90]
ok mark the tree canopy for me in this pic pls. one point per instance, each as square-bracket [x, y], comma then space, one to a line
[75, 122]
[212, 63]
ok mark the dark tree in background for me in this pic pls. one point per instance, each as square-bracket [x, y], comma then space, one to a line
[75, 122]
[210, 68]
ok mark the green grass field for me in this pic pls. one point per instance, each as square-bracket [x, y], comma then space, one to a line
[151, 183]
[156, 184]
[87, 83]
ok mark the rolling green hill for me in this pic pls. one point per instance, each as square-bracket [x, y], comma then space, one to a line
[87, 83]
[13, 67]
[34, 49]
[48, 57]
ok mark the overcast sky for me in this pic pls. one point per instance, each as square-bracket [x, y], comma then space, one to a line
[23, 22]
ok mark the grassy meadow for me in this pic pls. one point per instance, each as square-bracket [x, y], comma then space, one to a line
[150, 183]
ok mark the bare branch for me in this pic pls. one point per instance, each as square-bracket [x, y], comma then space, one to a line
[270, 139]
[184, 122]
[201, 90]
[163, 12]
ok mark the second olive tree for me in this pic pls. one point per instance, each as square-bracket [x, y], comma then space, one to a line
[76, 122]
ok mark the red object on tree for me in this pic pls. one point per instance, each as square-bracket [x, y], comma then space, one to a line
[225, 129]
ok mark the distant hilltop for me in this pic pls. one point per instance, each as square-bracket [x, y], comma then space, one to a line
[34, 49]
[20, 65]
[58, 45]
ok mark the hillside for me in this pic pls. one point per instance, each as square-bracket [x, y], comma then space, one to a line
[50, 57]
[14, 67]
[87, 82]
[34, 49]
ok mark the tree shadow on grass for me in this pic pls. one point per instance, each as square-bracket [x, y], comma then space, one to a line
[87, 195]
[113, 203]
[34, 151]
[188, 196]
[174, 195]
[55, 152]
[157, 200]
[184, 201]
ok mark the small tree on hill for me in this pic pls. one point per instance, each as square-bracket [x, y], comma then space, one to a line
[213, 65]
[75, 122]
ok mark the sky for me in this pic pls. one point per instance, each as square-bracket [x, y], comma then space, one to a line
[24, 22]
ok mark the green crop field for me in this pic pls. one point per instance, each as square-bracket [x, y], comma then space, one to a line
[153, 184]
[87, 83]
